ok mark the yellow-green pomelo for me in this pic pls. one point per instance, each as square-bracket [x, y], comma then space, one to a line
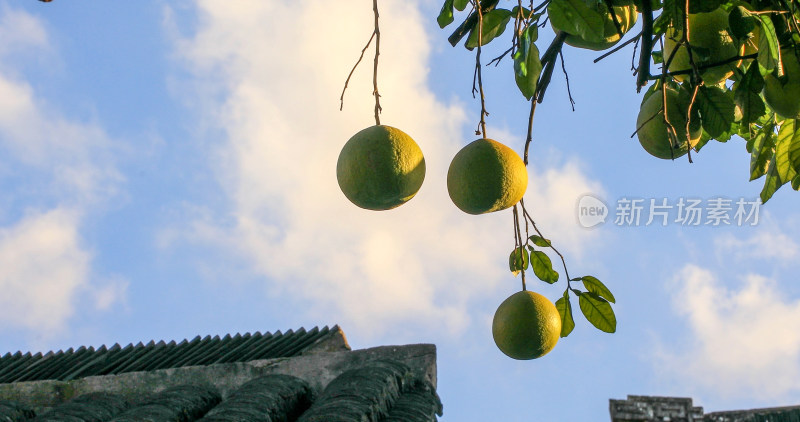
[652, 129]
[626, 16]
[380, 168]
[709, 31]
[783, 94]
[526, 325]
[486, 176]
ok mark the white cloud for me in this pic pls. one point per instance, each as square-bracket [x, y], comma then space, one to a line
[20, 31]
[771, 243]
[741, 343]
[272, 84]
[68, 160]
[110, 293]
[54, 173]
[42, 267]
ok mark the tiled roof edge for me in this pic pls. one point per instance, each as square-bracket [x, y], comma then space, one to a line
[334, 341]
[745, 412]
[318, 369]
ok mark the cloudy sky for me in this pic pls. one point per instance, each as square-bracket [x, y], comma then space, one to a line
[167, 169]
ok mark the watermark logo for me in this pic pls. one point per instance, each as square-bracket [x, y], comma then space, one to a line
[591, 211]
[718, 211]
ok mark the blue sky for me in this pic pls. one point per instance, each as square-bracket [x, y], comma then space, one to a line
[168, 170]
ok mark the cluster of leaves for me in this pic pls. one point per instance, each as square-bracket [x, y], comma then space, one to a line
[736, 107]
[595, 301]
[527, 63]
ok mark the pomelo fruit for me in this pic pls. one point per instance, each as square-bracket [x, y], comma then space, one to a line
[526, 325]
[486, 176]
[380, 168]
[783, 94]
[626, 16]
[708, 31]
[652, 129]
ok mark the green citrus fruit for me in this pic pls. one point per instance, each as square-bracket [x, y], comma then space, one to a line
[486, 176]
[380, 168]
[708, 31]
[526, 325]
[626, 16]
[783, 94]
[652, 129]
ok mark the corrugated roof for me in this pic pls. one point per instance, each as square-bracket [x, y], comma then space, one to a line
[83, 362]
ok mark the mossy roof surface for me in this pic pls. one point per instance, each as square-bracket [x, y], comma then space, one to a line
[379, 391]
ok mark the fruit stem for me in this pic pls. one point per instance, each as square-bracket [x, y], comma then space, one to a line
[688, 122]
[347, 81]
[529, 138]
[377, 34]
[482, 123]
[695, 74]
[518, 242]
[533, 223]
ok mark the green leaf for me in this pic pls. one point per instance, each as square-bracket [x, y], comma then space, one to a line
[565, 311]
[672, 14]
[769, 53]
[762, 152]
[577, 18]
[658, 56]
[527, 65]
[526, 40]
[704, 138]
[598, 311]
[460, 4]
[772, 182]
[525, 12]
[704, 6]
[446, 14]
[741, 22]
[594, 285]
[518, 260]
[787, 150]
[746, 95]
[543, 267]
[796, 182]
[540, 241]
[716, 110]
[494, 24]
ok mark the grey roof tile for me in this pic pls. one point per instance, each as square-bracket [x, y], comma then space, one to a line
[185, 403]
[315, 377]
[92, 407]
[361, 394]
[271, 398]
[12, 411]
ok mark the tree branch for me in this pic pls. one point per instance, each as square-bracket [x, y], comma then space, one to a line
[647, 46]
[470, 22]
